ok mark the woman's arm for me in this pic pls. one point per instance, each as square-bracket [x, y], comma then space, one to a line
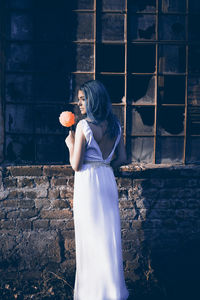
[120, 153]
[76, 146]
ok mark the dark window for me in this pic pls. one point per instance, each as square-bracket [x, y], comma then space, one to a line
[146, 52]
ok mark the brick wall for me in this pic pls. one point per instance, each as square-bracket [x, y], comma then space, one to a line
[160, 209]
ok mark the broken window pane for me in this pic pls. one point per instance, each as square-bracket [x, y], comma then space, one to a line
[19, 148]
[192, 150]
[112, 27]
[19, 87]
[83, 26]
[171, 59]
[110, 58]
[118, 110]
[47, 118]
[113, 5]
[20, 26]
[194, 59]
[169, 150]
[19, 118]
[76, 81]
[193, 118]
[194, 90]
[50, 58]
[172, 27]
[142, 149]
[51, 149]
[194, 6]
[193, 29]
[82, 4]
[172, 5]
[142, 5]
[83, 57]
[19, 57]
[142, 27]
[114, 85]
[141, 89]
[171, 89]
[141, 58]
[141, 121]
[170, 120]
[51, 87]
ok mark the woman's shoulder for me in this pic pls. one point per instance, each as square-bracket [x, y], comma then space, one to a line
[82, 126]
[81, 123]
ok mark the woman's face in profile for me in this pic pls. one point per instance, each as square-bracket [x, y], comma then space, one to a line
[82, 102]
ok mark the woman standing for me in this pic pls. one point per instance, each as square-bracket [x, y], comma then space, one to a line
[98, 138]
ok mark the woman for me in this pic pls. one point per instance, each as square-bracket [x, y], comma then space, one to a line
[99, 264]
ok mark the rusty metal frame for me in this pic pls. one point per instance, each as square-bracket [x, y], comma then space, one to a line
[2, 80]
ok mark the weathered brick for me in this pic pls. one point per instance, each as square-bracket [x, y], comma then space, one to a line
[128, 214]
[25, 170]
[23, 224]
[57, 171]
[71, 182]
[127, 245]
[62, 224]
[159, 183]
[4, 194]
[57, 181]
[130, 235]
[56, 214]
[13, 214]
[162, 203]
[68, 234]
[26, 203]
[59, 203]
[123, 194]
[69, 244]
[53, 194]
[2, 214]
[184, 213]
[125, 204]
[177, 203]
[31, 194]
[43, 224]
[10, 203]
[42, 203]
[137, 224]
[25, 182]
[8, 224]
[125, 224]
[41, 181]
[169, 223]
[9, 182]
[41, 193]
[12, 194]
[28, 213]
[66, 194]
[124, 182]
[1, 181]
[142, 202]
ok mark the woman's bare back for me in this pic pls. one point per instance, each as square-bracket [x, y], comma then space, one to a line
[102, 138]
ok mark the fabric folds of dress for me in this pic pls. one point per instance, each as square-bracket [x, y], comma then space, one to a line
[99, 263]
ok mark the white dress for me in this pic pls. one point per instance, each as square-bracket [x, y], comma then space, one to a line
[99, 264]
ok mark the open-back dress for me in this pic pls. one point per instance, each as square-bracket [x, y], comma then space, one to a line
[99, 263]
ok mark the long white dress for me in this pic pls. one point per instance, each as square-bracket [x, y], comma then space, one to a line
[99, 264]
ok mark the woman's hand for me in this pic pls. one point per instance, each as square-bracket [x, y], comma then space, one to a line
[69, 141]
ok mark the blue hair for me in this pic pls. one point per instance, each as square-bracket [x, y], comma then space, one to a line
[98, 105]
